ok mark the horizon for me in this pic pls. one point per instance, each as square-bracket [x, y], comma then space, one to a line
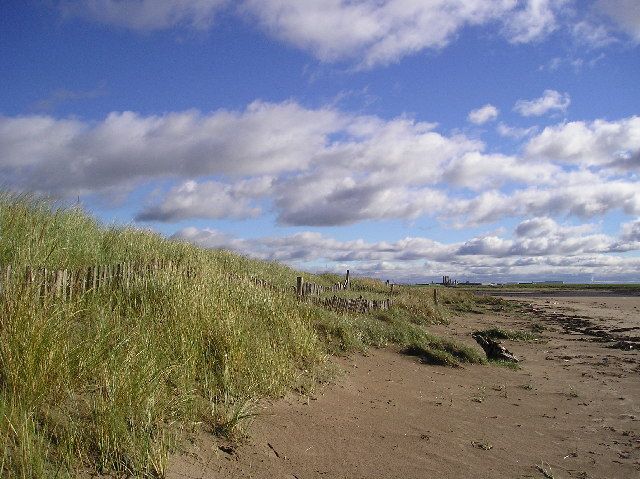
[399, 140]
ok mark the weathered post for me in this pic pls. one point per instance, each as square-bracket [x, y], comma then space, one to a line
[391, 288]
[435, 296]
[299, 285]
[346, 281]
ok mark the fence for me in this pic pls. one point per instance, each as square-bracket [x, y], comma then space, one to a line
[313, 289]
[354, 305]
[66, 284]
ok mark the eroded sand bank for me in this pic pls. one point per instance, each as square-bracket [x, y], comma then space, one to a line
[571, 410]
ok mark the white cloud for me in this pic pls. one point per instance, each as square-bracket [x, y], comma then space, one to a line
[551, 100]
[540, 246]
[614, 144]
[478, 171]
[515, 132]
[482, 115]
[211, 199]
[593, 35]
[146, 14]
[533, 22]
[323, 167]
[70, 157]
[579, 199]
[373, 32]
[377, 32]
[625, 13]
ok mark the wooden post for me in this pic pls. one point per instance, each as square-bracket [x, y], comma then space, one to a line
[7, 273]
[299, 285]
[65, 284]
[435, 296]
[391, 288]
[45, 288]
[346, 281]
[58, 282]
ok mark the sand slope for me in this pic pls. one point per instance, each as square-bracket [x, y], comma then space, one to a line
[572, 410]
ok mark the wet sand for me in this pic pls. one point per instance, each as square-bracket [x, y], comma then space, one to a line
[571, 410]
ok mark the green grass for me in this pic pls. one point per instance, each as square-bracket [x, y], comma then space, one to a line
[112, 380]
[499, 333]
[504, 364]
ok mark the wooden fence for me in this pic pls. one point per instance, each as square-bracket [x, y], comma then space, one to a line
[66, 284]
[353, 305]
[313, 289]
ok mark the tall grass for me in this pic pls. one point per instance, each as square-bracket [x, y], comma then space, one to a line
[111, 379]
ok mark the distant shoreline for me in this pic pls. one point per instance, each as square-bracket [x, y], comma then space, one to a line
[566, 293]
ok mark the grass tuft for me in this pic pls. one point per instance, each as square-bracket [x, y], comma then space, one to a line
[499, 333]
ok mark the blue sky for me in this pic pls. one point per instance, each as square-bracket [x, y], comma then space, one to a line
[491, 140]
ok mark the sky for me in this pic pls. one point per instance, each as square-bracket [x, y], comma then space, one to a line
[487, 140]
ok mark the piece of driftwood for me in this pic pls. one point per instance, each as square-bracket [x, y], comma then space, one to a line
[493, 348]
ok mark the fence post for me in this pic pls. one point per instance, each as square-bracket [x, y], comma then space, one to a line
[391, 288]
[435, 296]
[299, 285]
[346, 281]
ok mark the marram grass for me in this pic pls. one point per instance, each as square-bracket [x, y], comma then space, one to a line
[112, 379]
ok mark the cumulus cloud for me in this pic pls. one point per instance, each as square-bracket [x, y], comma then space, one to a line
[483, 115]
[551, 100]
[71, 157]
[209, 200]
[379, 32]
[629, 236]
[593, 35]
[582, 200]
[601, 143]
[322, 167]
[539, 246]
[146, 14]
[478, 171]
[625, 13]
[535, 21]
[373, 32]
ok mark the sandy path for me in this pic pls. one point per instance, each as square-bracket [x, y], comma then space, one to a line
[573, 408]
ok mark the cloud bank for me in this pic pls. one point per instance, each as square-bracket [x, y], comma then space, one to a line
[374, 32]
[324, 167]
[540, 248]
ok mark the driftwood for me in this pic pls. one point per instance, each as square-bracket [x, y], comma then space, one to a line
[493, 348]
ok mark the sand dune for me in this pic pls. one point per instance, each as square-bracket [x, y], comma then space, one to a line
[571, 410]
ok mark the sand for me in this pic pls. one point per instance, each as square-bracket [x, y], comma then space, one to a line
[571, 410]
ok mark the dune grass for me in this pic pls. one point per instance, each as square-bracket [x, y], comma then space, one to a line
[113, 379]
[510, 334]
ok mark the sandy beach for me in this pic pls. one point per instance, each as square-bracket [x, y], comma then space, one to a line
[572, 409]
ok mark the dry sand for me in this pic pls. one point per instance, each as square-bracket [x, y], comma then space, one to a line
[571, 410]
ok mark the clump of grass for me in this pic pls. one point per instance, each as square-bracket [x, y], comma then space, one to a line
[538, 328]
[499, 333]
[545, 470]
[431, 355]
[434, 350]
[504, 364]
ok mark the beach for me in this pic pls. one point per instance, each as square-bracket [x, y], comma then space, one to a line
[571, 409]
